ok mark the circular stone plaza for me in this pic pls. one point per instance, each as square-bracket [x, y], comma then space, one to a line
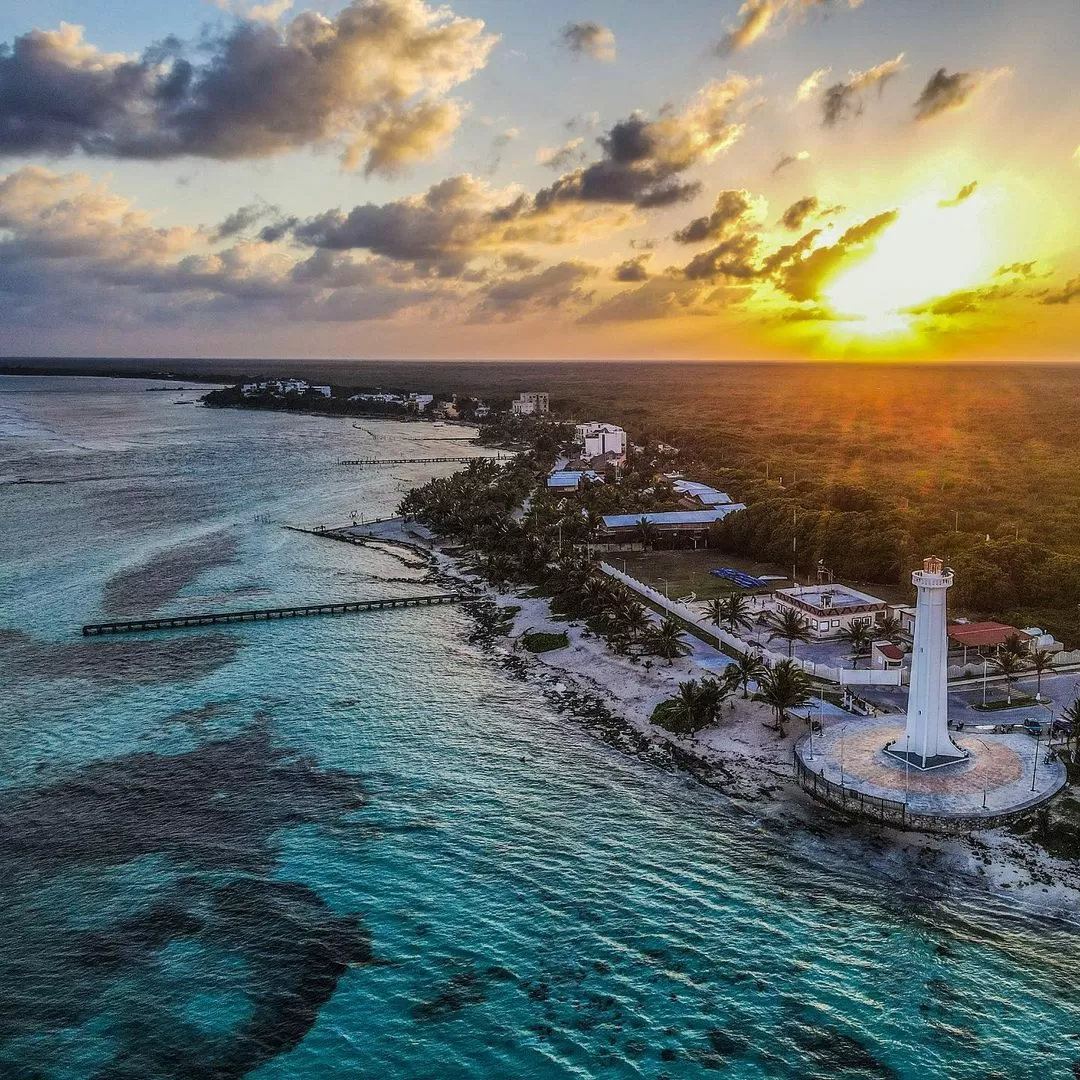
[916, 773]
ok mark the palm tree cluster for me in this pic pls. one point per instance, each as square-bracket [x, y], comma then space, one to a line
[696, 706]
[784, 686]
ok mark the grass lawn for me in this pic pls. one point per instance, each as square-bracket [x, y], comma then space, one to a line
[688, 571]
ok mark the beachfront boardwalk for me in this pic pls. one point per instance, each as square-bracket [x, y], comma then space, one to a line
[295, 611]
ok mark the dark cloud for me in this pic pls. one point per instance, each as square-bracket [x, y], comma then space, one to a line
[644, 159]
[241, 220]
[548, 289]
[963, 194]
[757, 17]
[787, 160]
[730, 212]
[1066, 294]
[845, 99]
[964, 301]
[373, 80]
[794, 216]
[804, 274]
[732, 258]
[588, 39]
[944, 92]
[1017, 269]
[633, 269]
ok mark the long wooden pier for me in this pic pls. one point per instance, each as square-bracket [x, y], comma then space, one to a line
[297, 611]
[422, 460]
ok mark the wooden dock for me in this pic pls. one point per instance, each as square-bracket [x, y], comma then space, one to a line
[423, 460]
[297, 611]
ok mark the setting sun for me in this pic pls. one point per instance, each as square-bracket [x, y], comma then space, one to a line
[934, 248]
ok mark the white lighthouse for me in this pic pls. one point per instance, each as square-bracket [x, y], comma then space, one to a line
[925, 743]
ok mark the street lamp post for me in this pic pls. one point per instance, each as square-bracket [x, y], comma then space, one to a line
[986, 660]
[1035, 766]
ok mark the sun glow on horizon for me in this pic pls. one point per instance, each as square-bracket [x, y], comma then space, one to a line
[930, 251]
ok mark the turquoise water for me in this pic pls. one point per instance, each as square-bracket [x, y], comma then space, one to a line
[357, 847]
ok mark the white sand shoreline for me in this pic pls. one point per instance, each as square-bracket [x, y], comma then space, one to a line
[744, 759]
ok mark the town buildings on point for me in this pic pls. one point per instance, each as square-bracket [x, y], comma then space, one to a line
[531, 404]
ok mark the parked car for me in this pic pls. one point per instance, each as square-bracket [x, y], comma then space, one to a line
[1062, 727]
[1033, 727]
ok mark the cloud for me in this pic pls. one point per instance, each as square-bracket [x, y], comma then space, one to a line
[732, 258]
[633, 269]
[809, 87]
[561, 157]
[1017, 269]
[944, 93]
[659, 298]
[799, 211]
[961, 196]
[1065, 295]
[805, 272]
[757, 17]
[589, 39]
[372, 80]
[790, 159]
[554, 287]
[243, 219]
[644, 159]
[73, 253]
[731, 212]
[498, 145]
[845, 99]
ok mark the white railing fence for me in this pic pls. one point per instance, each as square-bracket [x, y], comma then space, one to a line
[845, 676]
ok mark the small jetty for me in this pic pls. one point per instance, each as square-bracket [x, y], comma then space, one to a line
[423, 460]
[295, 611]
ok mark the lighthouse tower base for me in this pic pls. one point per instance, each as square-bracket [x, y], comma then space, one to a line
[925, 764]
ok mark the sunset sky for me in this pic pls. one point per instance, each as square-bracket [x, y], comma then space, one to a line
[496, 178]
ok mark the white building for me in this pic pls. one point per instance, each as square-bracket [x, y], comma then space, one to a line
[324, 390]
[600, 439]
[531, 404]
[830, 609]
[925, 743]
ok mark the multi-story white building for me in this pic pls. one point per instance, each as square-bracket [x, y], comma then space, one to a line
[597, 439]
[530, 404]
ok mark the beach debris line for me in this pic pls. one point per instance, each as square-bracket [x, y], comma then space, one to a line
[293, 611]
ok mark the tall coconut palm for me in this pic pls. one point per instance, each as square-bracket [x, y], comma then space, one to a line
[748, 668]
[712, 695]
[1072, 714]
[792, 626]
[683, 713]
[890, 629]
[859, 638]
[646, 533]
[669, 641]
[1040, 660]
[784, 686]
[1010, 664]
[732, 610]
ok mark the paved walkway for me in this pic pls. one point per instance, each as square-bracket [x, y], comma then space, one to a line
[996, 777]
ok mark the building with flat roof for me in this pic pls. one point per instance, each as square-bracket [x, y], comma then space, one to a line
[830, 609]
[572, 479]
[530, 404]
[625, 528]
[700, 494]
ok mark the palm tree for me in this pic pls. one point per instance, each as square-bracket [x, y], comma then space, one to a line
[859, 638]
[1014, 644]
[1072, 714]
[1010, 664]
[750, 667]
[1041, 660]
[890, 629]
[791, 625]
[669, 641]
[784, 686]
[711, 698]
[645, 532]
[734, 610]
[683, 712]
